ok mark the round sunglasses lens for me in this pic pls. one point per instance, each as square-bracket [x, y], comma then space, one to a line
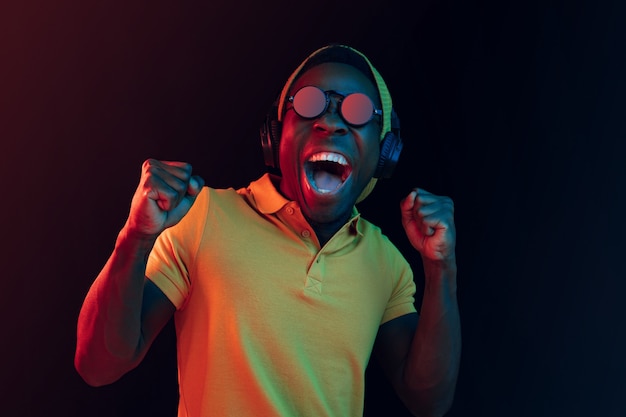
[357, 108]
[309, 102]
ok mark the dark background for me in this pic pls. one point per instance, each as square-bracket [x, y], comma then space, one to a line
[514, 109]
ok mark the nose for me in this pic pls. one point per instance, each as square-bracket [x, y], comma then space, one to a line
[330, 122]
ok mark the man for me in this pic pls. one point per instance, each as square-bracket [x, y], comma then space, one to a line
[280, 290]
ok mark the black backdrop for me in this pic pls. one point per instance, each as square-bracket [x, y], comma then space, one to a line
[514, 109]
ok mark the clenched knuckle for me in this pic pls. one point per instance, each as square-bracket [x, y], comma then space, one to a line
[179, 185]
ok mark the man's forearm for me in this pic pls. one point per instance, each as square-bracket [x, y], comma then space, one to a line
[432, 366]
[109, 325]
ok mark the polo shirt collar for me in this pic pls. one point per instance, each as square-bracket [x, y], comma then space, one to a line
[269, 200]
[266, 196]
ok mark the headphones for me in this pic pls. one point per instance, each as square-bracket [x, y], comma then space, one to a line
[390, 146]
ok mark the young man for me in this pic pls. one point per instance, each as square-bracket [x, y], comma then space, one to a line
[280, 290]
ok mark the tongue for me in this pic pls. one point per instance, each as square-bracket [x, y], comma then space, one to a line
[325, 181]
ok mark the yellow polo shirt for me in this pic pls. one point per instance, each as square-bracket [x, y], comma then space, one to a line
[267, 322]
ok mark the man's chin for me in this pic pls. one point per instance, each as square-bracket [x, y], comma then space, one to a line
[325, 206]
[326, 215]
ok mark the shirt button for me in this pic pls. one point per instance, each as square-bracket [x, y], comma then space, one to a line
[305, 233]
[290, 210]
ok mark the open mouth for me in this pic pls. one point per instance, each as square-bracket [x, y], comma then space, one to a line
[327, 171]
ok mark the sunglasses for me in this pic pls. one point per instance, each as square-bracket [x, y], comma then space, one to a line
[356, 109]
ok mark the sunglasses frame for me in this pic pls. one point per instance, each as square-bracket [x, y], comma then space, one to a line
[327, 94]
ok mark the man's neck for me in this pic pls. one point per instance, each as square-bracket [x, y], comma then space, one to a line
[325, 231]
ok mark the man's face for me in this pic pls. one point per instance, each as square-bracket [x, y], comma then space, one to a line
[326, 162]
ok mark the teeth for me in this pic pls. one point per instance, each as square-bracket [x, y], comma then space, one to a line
[330, 157]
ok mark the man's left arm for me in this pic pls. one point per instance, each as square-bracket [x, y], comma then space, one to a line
[421, 354]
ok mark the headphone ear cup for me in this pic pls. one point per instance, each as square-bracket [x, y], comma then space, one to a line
[390, 149]
[270, 137]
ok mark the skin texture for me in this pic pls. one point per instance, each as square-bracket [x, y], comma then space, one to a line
[123, 311]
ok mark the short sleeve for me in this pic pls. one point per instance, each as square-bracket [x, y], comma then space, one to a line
[173, 255]
[402, 300]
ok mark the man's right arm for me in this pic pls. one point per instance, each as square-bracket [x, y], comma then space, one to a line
[123, 311]
[121, 315]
